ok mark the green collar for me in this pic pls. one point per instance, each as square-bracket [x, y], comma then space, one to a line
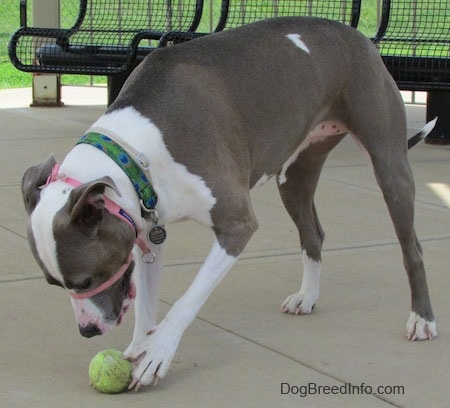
[125, 161]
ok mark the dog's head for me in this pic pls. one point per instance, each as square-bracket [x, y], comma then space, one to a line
[80, 246]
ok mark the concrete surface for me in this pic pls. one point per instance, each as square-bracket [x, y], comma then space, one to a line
[241, 348]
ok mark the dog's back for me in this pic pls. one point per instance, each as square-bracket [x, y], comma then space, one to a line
[260, 89]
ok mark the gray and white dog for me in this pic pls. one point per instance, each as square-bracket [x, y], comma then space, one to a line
[202, 123]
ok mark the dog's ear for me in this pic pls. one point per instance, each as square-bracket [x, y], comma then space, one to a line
[86, 202]
[32, 179]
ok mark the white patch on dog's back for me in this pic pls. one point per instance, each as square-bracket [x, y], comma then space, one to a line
[181, 194]
[295, 38]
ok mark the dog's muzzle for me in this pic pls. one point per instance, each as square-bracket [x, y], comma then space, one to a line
[92, 324]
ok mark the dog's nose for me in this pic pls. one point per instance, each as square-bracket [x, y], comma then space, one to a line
[90, 330]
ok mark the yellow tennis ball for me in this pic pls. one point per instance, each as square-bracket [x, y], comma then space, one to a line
[109, 372]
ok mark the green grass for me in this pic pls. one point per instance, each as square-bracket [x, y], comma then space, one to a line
[368, 20]
[10, 77]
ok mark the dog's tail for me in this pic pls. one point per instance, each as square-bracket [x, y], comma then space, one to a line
[422, 134]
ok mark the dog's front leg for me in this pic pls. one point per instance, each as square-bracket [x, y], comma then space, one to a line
[160, 345]
[146, 277]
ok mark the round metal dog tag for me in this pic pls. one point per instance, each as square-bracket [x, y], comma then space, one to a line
[157, 234]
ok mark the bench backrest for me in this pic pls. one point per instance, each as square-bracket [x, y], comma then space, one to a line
[100, 20]
[414, 42]
[121, 23]
[415, 28]
[238, 12]
[102, 37]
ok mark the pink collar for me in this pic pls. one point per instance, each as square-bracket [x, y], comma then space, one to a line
[105, 285]
[114, 209]
[110, 205]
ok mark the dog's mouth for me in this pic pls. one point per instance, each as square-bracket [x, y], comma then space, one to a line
[129, 294]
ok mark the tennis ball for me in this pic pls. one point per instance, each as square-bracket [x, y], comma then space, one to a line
[109, 372]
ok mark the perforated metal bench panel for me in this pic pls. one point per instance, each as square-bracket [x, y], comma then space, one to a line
[106, 37]
[414, 42]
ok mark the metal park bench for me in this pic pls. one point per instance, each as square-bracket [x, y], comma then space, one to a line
[108, 37]
[414, 42]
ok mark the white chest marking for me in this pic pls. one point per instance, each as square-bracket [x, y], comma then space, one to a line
[181, 194]
[295, 38]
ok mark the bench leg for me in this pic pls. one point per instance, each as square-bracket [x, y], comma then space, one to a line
[46, 90]
[439, 105]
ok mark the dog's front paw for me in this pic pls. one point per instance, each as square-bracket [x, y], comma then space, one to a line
[417, 328]
[152, 357]
[299, 304]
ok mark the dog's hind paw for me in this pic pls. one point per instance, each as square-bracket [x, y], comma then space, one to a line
[299, 304]
[417, 328]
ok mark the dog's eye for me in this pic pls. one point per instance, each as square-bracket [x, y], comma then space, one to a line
[86, 284]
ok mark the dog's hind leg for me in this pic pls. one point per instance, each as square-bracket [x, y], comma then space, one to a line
[297, 186]
[376, 117]
[395, 178]
[385, 141]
